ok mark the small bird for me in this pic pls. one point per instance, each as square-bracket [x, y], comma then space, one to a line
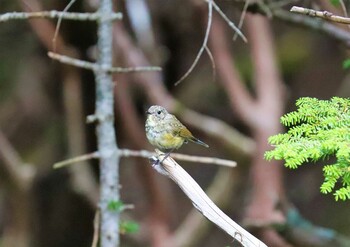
[166, 132]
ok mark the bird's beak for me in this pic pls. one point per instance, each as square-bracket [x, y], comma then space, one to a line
[147, 112]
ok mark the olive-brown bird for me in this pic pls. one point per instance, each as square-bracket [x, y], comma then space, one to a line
[166, 132]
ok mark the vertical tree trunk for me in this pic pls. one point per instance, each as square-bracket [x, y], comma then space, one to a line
[109, 159]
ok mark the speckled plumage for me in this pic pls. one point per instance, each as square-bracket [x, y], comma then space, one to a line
[165, 131]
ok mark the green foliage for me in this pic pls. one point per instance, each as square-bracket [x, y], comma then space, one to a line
[129, 227]
[346, 64]
[115, 205]
[318, 130]
[335, 3]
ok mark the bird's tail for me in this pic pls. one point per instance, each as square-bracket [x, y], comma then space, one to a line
[195, 140]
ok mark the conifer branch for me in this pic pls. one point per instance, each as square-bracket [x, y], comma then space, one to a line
[318, 130]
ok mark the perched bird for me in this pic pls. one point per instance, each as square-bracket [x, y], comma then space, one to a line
[166, 132]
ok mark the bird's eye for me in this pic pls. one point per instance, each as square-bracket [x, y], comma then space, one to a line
[159, 112]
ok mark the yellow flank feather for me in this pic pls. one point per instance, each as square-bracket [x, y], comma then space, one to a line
[169, 141]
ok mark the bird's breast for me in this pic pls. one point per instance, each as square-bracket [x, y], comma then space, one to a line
[160, 135]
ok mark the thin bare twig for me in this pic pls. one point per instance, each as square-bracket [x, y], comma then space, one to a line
[94, 155]
[59, 23]
[184, 157]
[213, 66]
[343, 7]
[203, 203]
[241, 19]
[205, 42]
[56, 15]
[96, 67]
[147, 154]
[326, 27]
[321, 14]
[229, 22]
[96, 229]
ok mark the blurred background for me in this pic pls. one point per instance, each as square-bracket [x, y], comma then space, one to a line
[232, 100]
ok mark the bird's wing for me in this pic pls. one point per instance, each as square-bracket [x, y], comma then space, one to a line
[184, 133]
[180, 130]
[177, 128]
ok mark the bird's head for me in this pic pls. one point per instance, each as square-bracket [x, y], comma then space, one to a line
[156, 112]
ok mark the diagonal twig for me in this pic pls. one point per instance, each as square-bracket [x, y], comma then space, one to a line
[205, 42]
[213, 65]
[241, 19]
[20, 174]
[95, 67]
[321, 14]
[229, 22]
[203, 203]
[59, 23]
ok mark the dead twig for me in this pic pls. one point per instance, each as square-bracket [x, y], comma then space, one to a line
[194, 227]
[202, 202]
[213, 66]
[241, 19]
[94, 155]
[59, 23]
[325, 27]
[321, 14]
[96, 229]
[229, 22]
[95, 67]
[205, 42]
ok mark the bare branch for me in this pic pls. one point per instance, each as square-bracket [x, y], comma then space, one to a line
[211, 4]
[95, 67]
[194, 227]
[184, 157]
[53, 14]
[229, 22]
[147, 154]
[94, 155]
[325, 27]
[213, 66]
[59, 23]
[343, 7]
[321, 14]
[203, 203]
[241, 19]
[96, 229]
[205, 42]
[19, 173]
